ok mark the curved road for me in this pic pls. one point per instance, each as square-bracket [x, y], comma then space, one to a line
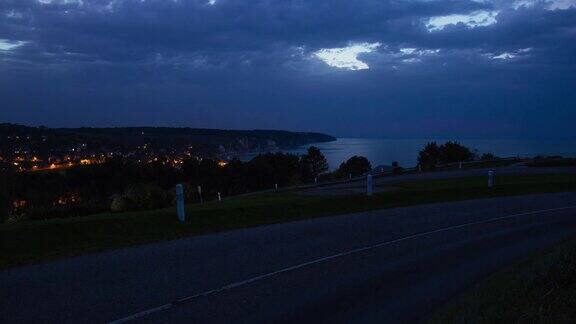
[391, 266]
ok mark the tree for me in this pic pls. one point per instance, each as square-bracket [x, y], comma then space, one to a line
[356, 165]
[205, 172]
[266, 170]
[488, 157]
[234, 178]
[396, 168]
[314, 163]
[429, 157]
[452, 152]
[8, 192]
[4, 198]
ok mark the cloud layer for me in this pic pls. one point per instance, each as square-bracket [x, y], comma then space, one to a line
[401, 68]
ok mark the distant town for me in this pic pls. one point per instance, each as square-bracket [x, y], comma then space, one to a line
[32, 149]
[63, 172]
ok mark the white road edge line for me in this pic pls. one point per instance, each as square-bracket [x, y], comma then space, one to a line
[330, 257]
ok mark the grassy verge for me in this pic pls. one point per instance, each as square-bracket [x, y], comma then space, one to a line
[552, 162]
[469, 165]
[484, 164]
[539, 290]
[34, 241]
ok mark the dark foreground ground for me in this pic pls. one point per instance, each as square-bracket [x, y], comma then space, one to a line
[35, 241]
[394, 265]
[540, 289]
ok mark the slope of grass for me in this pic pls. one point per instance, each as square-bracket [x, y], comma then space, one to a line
[539, 290]
[40, 240]
[485, 164]
[552, 162]
[505, 183]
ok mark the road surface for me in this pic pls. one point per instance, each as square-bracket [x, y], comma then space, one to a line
[388, 182]
[387, 266]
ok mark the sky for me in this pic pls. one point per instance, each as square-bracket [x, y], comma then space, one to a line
[362, 68]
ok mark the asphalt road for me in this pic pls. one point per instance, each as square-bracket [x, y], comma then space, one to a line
[388, 266]
[388, 182]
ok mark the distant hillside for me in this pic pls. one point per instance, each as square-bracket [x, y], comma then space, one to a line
[207, 141]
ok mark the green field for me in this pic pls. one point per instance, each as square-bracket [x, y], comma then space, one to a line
[541, 289]
[27, 242]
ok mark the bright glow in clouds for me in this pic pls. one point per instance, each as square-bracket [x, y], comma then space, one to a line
[79, 2]
[504, 56]
[346, 57]
[549, 4]
[413, 55]
[562, 4]
[475, 19]
[408, 51]
[6, 45]
[510, 55]
[416, 51]
[211, 2]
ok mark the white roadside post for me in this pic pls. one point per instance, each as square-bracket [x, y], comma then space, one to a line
[200, 193]
[219, 197]
[275, 187]
[180, 203]
[490, 179]
[459, 165]
[369, 189]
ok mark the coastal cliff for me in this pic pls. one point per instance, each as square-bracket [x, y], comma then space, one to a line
[126, 139]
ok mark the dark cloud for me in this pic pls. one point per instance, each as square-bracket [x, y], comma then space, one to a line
[251, 64]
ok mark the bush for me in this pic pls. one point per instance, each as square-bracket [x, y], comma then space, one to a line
[119, 204]
[356, 165]
[146, 196]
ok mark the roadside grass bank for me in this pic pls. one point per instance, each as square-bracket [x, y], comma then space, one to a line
[483, 164]
[506, 162]
[552, 162]
[541, 289]
[27, 242]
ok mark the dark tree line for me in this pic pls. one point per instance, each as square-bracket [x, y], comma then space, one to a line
[121, 185]
[434, 155]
